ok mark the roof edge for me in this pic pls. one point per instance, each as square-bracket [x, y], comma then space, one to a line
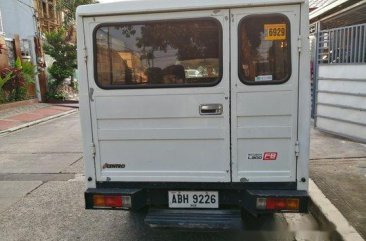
[149, 6]
[320, 11]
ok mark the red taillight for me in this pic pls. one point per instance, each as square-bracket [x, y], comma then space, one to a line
[111, 201]
[278, 203]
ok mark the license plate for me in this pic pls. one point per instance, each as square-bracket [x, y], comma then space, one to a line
[193, 199]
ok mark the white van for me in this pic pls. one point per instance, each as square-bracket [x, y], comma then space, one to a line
[234, 136]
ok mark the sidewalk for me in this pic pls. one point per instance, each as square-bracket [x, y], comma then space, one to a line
[12, 118]
[338, 167]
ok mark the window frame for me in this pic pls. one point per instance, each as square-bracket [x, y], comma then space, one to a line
[134, 86]
[289, 54]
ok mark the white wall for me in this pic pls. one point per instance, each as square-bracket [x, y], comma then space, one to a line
[341, 103]
[18, 18]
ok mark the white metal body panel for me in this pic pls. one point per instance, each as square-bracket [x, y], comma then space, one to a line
[159, 134]
[85, 110]
[148, 6]
[163, 121]
[264, 117]
[302, 171]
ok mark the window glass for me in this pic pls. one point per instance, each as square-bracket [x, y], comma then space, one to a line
[264, 49]
[158, 54]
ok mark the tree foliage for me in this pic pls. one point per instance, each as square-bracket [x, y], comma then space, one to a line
[69, 9]
[60, 45]
[64, 54]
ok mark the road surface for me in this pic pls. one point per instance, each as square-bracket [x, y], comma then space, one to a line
[41, 197]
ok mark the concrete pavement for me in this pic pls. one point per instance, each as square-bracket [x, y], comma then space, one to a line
[51, 206]
[55, 212]
[30, 158]
[41, 192]
[338, 167]
[326, 146]
[13, 191]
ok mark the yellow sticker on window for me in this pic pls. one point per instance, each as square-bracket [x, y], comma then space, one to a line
[275, 31]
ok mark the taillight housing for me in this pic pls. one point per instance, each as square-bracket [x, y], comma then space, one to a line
[278, 204]
[115, 198]
[111, 201]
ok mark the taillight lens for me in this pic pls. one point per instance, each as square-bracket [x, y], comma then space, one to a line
[293, 203]
[278, 204]
[98, 200]
[111, 201]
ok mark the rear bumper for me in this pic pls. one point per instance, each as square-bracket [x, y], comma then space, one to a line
[233, 196]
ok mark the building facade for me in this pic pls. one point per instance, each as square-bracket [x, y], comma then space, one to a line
[29, 20]
[47, 15]
[338, 35]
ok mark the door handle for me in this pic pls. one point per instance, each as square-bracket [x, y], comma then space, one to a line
[211, 109]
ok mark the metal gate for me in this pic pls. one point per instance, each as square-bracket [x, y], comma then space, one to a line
[340, 81]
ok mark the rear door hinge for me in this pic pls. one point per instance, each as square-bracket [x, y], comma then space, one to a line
[92, 150]
[91, 92]
[85, 50]
[299, 44]
[297, 148]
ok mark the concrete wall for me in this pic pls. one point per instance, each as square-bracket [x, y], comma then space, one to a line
[18, 18]
[4, 61]
[341, 102]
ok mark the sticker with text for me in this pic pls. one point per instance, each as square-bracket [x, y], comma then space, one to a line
[275, 32]
[264, 78]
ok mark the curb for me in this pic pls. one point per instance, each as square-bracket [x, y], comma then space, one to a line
[32, 123]
[329, 216]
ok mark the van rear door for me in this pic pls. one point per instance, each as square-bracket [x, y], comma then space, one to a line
[264, 93]
[159, 96]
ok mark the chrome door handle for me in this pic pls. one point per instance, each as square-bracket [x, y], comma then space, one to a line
[211, 109]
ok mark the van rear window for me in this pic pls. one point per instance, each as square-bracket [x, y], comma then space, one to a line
[175, 53]
[264, 49]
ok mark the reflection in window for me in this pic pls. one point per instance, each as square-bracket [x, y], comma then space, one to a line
[264, 54]
[158, 53]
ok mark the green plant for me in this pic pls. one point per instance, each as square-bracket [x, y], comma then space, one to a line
[14, 81]
[75, 86]
[54, 92]
[17, 94]
[5, 79]
[18, 63]
[29, 71]
[60, 45]
[64, 54]
[15, 88]
[2, 97]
